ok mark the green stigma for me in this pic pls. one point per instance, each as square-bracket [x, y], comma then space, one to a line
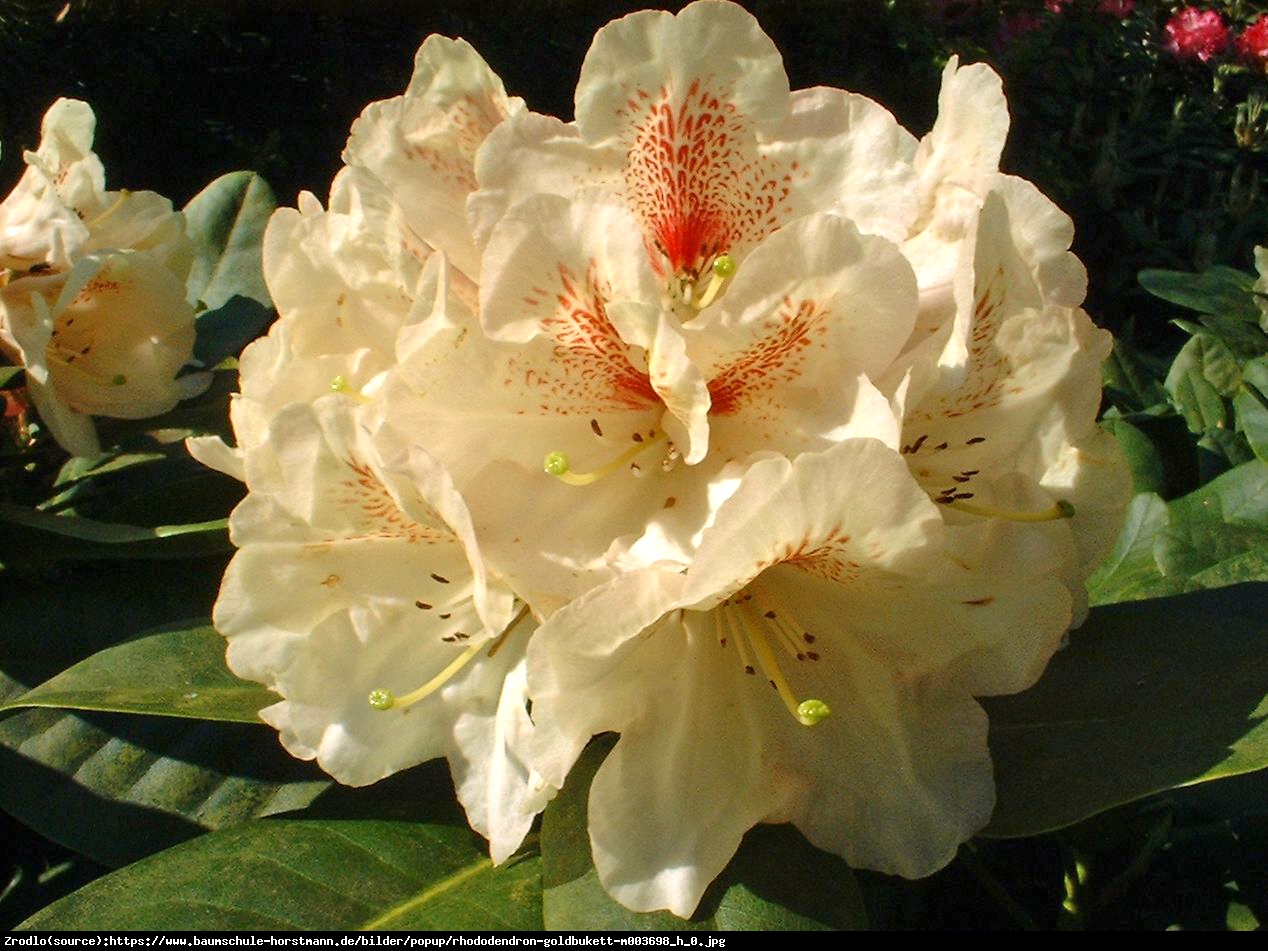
[556, 463]
[338, 384]
[810, 712]
[119, 379]
[724, 265]
[382, 699]
[1065, 508]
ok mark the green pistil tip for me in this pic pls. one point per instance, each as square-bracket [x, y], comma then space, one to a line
[1065, 508]
[339, 384]
[119, 380]
[811, 712]
[556, 463]
[724, 265]
[381, 699]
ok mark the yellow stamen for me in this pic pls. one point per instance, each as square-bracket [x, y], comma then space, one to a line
[340, 385]
[1059, 510]
[55, 355]
[382, 699]
[385, 700]
[806, 712]
[723, 268]
[557, 464]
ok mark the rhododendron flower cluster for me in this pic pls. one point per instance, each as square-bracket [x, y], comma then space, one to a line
[731, 419]
[92, 287]
[1195, 34]
[1252, 43]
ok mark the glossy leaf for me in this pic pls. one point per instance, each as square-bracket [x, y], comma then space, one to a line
[319, 874]
[117, 787]
[161, 485]
[43, 537]
[1211, 360]
[1215, 535]
[1251, 406]
[1217, 290]
[1130, 384]
[178, 672]
[226, 221]
[777, 880]
[1148, 696]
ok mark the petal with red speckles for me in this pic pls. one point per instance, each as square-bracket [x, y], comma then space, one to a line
[422, 146]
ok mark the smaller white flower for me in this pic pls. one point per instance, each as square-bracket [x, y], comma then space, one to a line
[107, 338]
[92, 298]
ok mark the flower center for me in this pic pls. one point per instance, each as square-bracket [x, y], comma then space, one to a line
[746, 620]
[695, 290]
[559, 465]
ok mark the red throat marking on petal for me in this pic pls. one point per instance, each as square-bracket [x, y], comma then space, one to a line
[696, 180]
[592, 369]
[773, 361]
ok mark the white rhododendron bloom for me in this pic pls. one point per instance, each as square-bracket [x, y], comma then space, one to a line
[774, 424]
[359, 592]
[355, 581]
[92, 298]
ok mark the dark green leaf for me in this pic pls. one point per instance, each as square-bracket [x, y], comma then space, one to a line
[223, 332]
[117, 787]
[43, 537]
[1146, 462]
[1128, 380]
[145, 488]
[1149, 695]
[1244, 340]
[1130, 571]
[1251, 406]
[317, 874]
[1217, 290]
[178, 671]
[1210, 359]
[777, 880]
[1216, 535]
[226, 221]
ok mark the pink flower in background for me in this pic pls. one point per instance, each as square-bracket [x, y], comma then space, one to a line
[1196, 34]
[1252, 43]
[1055, 6]
[1118, 8]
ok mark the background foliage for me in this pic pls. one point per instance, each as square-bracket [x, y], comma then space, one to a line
[1107, 816]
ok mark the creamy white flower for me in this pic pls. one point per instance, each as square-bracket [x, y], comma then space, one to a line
[359, 591]
[815, 663]
[638, 414]
[812, 401]
[356, 580]
[1006, 424]
[421, 147]
[105, 338]
[343, 280]
[93, 299]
